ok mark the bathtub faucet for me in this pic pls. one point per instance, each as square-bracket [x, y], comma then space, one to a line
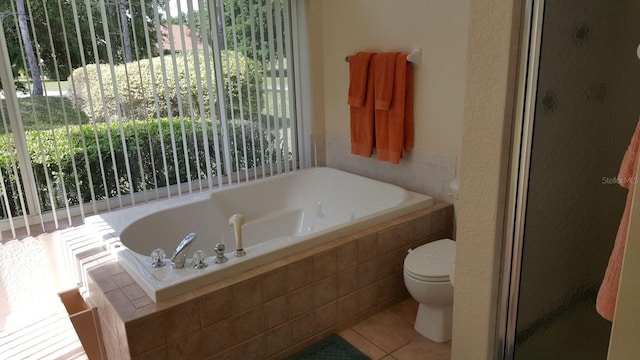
[180, 255]
[236, 221]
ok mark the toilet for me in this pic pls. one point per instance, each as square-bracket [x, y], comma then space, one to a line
[427, 271]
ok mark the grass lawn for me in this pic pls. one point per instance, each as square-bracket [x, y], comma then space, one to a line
[52, 85]
[35, 115]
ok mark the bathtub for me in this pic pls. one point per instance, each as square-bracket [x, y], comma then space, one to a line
[284, 214]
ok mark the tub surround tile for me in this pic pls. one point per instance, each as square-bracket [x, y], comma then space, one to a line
[275, 309]
[367, 272]
[326, 316]
[246, 295]
[253, 348]
[347, 307]
[367, 297]
[301, 301]
[157, 354]
[300, 273]
[276, 312]
[146, 335]
[347, 281]
[303, 327]
[135, 292]
[387, 265]
[347, 256]
[181, 320]
[274, 284]
[226, 282]
[217, 337]
[119, 304]
[123, 279]
[325, 291]
[215, 306]
[389, 288]
[367, 247]
[248, 324]
[325, 264]
[188, 347]
[277, 340]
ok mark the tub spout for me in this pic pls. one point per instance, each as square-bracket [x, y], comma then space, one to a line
[236, 221]
[180, 255]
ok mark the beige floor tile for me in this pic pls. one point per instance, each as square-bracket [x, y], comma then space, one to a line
[362, 344]
[422, 348]
[407, 309]
[386, 330]
[389, 357]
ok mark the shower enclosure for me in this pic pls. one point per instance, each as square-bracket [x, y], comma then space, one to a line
[580, 104]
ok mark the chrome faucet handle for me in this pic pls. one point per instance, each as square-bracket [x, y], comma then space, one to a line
[180, 255]
[177, 261]
[198, 260]
[220, 258]
[157, 258]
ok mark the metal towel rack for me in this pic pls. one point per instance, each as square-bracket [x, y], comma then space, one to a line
[414, 57]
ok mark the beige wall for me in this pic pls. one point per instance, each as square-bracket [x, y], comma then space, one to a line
[466, 77]
[487, 120]
[440, 29]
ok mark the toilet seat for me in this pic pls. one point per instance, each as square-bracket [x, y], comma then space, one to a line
[432, 262]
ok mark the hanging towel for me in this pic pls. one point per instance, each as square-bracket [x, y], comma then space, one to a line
[384, 69]
[394, 127]
[607, 296]
[361, 102]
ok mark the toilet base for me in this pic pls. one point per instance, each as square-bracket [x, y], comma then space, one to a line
[434, 323]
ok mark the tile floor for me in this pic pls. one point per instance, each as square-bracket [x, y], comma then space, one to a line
[390, 335]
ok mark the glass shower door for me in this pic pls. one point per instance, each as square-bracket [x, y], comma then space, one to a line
[585, 110]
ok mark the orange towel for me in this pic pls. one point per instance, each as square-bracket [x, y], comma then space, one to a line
[361, 101]
[384, 68]
[627, 177]
[394, 128]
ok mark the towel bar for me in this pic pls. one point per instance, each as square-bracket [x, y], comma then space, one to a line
[414, 57]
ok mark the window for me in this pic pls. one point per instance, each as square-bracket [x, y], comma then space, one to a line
[108, 103]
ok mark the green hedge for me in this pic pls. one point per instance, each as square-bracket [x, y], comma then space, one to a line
[145, 161]
[136, 89]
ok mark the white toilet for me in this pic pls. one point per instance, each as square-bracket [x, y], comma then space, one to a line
[426, 275]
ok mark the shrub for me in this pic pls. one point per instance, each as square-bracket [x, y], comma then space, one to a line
[145, 158]
[135, 87]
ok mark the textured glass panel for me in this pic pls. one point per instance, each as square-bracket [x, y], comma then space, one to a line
[587, 107]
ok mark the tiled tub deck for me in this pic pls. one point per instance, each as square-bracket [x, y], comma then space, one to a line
[273, 310]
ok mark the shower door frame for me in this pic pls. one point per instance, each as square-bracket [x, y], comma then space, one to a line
[524, 114]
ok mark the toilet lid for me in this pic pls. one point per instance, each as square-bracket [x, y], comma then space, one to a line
[432, 262]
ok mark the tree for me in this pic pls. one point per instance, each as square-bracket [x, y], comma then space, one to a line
[242, 14]
[62, 20]
[32, 59]
[126, 37]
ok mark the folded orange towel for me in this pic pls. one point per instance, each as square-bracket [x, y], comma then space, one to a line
[361, 101]
[627, 177]
[394, 128]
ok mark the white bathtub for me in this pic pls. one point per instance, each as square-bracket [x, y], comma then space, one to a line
[284, 214]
